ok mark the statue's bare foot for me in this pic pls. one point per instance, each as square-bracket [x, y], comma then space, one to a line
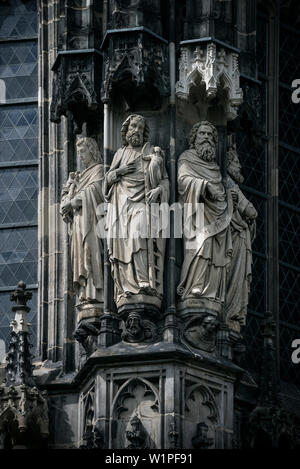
[197, 292]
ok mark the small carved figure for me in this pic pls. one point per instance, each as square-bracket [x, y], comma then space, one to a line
[201, 440]
[137, 436]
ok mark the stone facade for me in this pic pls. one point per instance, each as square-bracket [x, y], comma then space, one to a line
[140, 340]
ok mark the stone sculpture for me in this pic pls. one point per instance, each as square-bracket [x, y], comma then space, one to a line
[81, 196]
[207, 251]
[136, 180]
[200, 332]
[243, 230]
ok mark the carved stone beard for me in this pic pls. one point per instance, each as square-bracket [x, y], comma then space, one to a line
[206, 150]
[134, 138]
[235, 174]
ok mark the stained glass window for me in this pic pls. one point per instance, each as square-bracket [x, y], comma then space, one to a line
[18, 70]
[18, 133]
[253, 155]
[18, 157]
[289, 200]
[18, 18]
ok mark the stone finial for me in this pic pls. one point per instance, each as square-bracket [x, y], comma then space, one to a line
[21, 296]
[19, 366]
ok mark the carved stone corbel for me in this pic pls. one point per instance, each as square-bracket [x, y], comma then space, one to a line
[200, 332]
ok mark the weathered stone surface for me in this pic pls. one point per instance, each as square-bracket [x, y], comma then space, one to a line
[208, 241]
[243, 231]
[136, 180]
[81, 199]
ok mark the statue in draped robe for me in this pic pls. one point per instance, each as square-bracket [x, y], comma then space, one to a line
[81, 196]
[243, 230]
[137, 179]
[207, 250]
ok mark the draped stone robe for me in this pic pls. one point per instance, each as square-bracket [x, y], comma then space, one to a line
[240, 269]
[86, 245]
[206, 259]
[129, 251]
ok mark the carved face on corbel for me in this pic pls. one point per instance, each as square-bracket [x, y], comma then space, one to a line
[201, 333]
[134, 328]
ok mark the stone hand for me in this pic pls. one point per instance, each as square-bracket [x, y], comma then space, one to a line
[250, 213]
[153, 195]
[66, 208]
[76, 204]
[126, 169]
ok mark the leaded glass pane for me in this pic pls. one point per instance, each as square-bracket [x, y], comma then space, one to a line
[253, 341]
[18, 256]
[18, 195]
[253, 160]
[289, 226]
[289, 295]
[289, 121]
[262, 45]
[18, 133]
[257, 299]
[289, 220]
[289, 177]
[6, 315]
[289, 55]
[288, 370]
[18, 18]
[18, 70]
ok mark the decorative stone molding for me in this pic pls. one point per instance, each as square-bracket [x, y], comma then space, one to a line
[76, 81]
[140, 59]
[202, 416]
[23, 408]
[136, 415]
[20, 406]
[218, 69]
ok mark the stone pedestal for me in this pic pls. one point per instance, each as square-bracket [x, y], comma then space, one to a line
[89, 311]
[153, 396]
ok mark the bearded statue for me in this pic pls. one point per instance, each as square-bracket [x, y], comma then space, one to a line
[137, 179]
[207, 245]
